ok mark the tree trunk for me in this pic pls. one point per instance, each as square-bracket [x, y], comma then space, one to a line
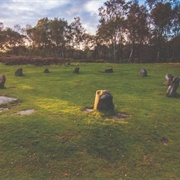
[158, 54]
[62, 51]
[131, 54]
[114, 46]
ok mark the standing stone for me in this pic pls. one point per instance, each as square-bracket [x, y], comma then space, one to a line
[46, 71]
[108, 70]
[76, 70]
[19, 72]
[171, 91]
[2, 80]
[103, 101]
[168, 79]
[143, 73]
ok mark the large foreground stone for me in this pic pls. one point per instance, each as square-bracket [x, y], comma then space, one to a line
[103, 101]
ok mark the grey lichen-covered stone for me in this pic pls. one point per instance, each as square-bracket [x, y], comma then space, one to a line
[168, 79]
[76, 70]
[171, 91]
[143, 73]
[19, 72]
[6, 100]
[108, 70]
[46, 70]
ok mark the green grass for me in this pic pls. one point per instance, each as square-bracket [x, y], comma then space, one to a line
[61, 141]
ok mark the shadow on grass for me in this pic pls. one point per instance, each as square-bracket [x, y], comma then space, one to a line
[106, 142]
[176, 96]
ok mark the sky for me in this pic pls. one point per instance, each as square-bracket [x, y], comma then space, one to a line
[23, 12]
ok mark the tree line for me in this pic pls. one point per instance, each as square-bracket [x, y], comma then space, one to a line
[127, 32]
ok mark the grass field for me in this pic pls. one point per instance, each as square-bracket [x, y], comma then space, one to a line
[62, 141]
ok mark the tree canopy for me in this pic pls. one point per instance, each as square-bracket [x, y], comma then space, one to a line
[127, 32]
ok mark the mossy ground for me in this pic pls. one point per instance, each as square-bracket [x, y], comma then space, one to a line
[60, 140]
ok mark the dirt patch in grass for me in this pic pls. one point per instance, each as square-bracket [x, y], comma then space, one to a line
[117, 117]
[26, 112]
[88, 109]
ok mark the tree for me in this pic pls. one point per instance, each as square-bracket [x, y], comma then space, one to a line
[38, 35]
[57, 34]
[76, 32]
[12, 40]
[2, 36]
[162, 16]
[76, 35]
[174, 45]
[42, 29]
[176, 20]
[111, 28]
[136, 28]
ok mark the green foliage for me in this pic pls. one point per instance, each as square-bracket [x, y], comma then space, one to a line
[60, 140]
[128, 31]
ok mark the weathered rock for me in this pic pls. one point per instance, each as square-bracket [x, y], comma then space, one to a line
[19, 72]
[6, 100]
[168, 79]
[171, 91]
[103, 101]
[46, 71]
[108, 70]
[2, 80]
[143, 73]
[76, 70]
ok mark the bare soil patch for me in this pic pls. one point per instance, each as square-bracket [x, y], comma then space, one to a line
[117, 117]
[26, 112]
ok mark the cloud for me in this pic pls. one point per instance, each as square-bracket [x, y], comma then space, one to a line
[93, 5]
[25, 12]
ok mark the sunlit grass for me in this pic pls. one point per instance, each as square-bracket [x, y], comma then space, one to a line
[60, 140]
